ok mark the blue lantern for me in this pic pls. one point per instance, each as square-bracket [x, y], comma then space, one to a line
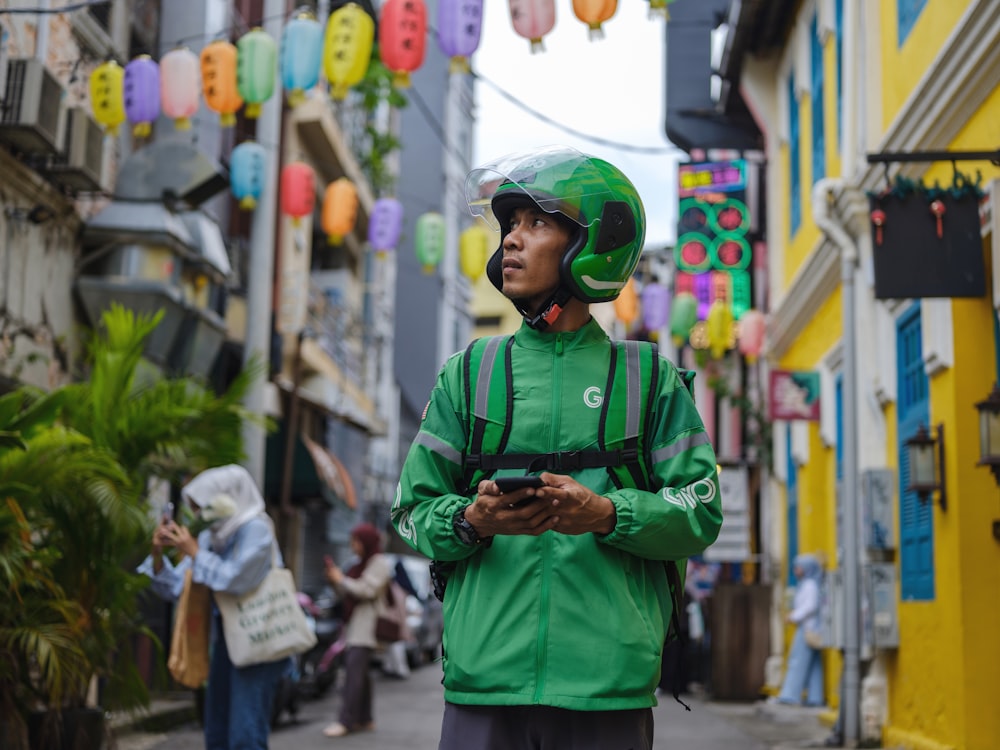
[301, 56]
[246, 173]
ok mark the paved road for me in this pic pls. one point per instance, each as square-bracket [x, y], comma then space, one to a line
[408, 717]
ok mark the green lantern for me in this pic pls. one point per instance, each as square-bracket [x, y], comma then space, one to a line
[430, 240]
[683, 316]
[256, 69]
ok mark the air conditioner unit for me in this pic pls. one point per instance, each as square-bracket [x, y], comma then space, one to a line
[33, 117]
[81, 167]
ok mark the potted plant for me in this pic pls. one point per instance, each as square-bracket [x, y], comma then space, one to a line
[89, 530]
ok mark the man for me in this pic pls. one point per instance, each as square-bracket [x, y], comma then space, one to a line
[557, 599]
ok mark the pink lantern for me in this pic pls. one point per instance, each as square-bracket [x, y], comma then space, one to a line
[459, 23]
[142, 94]
[752, 328]
[384, 224]
[655, 305]
[533, 19]
[179, 86]
[298, 190]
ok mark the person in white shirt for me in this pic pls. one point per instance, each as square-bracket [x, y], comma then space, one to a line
[805, 665]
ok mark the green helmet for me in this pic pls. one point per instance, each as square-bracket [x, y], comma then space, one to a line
[591, 193]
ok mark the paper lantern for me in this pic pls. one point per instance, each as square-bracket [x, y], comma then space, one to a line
[107, 95]
[347, 49]
[533, 19]
[246, 173]
[301, 56]
[142, 94]
[385, 224]
[402, 31]
[459, 25]
[256, 68]
[594, 13]
[720, 328]
[627, 303]
[752, 328]
[474, 247]
[683, 316]
[430, 239]
[179, 86]
[340, 210]
[658, 8]
[218, 81]
[655, 305]
[298, 190]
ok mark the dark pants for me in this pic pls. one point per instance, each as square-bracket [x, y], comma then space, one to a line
[356, 704]
[544, 728]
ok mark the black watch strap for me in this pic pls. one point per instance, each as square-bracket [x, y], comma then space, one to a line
[464, 530]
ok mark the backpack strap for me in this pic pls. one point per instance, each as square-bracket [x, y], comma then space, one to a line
[489, 402]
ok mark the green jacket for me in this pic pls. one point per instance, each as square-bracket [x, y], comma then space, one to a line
[576, 622]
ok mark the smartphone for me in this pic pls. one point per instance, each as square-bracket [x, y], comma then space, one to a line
[510, 484]
[167, 512]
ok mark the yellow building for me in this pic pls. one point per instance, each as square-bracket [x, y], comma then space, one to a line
[882, 279]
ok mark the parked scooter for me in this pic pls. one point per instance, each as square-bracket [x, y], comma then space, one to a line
[320, 665]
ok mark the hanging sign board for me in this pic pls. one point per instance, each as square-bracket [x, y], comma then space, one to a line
[924, 247]
[794, 395]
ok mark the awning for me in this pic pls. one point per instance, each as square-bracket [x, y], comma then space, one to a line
[332, 472]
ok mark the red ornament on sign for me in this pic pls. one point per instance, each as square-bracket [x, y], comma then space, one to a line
[402, 33]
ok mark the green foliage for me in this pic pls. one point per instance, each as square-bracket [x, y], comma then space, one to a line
[75, 465]
[377, 89]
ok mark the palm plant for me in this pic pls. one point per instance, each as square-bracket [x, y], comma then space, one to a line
[132, 425]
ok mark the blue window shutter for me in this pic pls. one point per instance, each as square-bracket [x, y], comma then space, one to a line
[916, 518]
[907, 12]
[794, 167]
[793, 505]
[818, 124]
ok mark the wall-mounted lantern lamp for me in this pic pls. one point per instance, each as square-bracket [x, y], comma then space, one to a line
[926, 458]
[989, 432]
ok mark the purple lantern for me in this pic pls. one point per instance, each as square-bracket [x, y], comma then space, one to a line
[458, 25]
[384, 224]
[655, 305]
[703, 293]
[142, 94]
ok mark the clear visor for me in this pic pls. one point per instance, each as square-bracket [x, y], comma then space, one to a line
[557, 178]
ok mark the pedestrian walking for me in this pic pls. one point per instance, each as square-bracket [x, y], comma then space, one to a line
[805, 665]
[233, 555]
[555, 595]
[360, 588]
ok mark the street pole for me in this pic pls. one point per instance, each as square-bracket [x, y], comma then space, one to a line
[260, 273]
[449, 264]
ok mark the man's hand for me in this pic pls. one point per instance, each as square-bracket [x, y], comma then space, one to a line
[563, 504]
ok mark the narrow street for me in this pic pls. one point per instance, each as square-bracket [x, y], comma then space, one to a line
[408, 717]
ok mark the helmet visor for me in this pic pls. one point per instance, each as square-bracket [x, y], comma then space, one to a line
[558, 179]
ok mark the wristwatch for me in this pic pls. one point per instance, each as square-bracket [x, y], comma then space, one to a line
[464, 530]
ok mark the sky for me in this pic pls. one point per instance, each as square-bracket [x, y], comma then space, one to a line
[609, 89]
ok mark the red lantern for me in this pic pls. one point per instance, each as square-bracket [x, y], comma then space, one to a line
[402, 34]
[298, 190]
[752, 327]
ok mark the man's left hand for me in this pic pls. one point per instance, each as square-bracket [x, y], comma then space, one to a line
[579, 510]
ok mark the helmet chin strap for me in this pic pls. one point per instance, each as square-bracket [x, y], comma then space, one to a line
[546, 314]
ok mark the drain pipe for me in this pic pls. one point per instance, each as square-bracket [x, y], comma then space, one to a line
[824, 195]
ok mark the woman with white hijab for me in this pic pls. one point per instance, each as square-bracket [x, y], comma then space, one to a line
[232, 555]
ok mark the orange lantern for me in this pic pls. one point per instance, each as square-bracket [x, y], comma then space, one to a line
[402, 34]
[340, 210]
[474, 251]
[594, 13]
[347, 49]
[107, 95]
[533, 19]
[179, 86]
[218, 81]
[298, 190]
[627, 303]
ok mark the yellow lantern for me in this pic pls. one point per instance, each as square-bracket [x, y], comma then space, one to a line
[627, 303]
[340, 210]
[107, 95]
[347, 48]
[474, 251]
[720, 328]
[594, 13]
